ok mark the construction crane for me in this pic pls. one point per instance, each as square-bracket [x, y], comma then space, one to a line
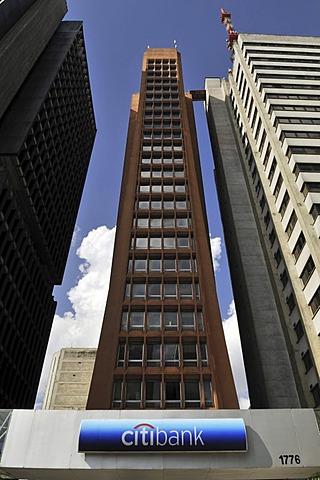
[232, 34]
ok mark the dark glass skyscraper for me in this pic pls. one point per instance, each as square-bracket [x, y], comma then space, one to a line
[162, 343]
[47, 129]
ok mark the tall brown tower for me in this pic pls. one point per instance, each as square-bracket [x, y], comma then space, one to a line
[162, 342]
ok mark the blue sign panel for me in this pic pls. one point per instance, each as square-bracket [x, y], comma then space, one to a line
[159, 435]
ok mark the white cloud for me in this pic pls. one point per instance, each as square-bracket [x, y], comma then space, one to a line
[231, 332]
[216, 250]
[81, 327]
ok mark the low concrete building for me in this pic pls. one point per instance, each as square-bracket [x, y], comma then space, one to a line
[69, 379]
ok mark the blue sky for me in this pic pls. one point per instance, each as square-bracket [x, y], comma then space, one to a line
[117, 32]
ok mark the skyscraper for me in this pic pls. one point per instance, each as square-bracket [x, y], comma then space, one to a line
[47, 131]
[264, 126]
[162, 343]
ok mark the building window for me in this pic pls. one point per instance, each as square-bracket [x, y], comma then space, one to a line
[307, 271]
[154, 290]
[208, 393]
[184, 264]
[299, 246]
[278, 186]
[284, 204]
[155, 222]
[170, 290]
[187, 320]
[136, 320]
[307, 360]
[204, 354]
[298, 328]
[171, 320]
[284, 278]
[133, 394]
[316, 395]
[154, 320]
[140, 265]
[309, 187]
[135, 354]
[171, 354]
[272, 237]
[153, 394]
[124, 321]
[155, 264]
[291, 303]
[278, 257]
[315, 211]
[153, 355]
[272, 170]
[190, 358]
[185, 290]
[191, 394]
[173, 395]
[138, 290]
[117, 387]
[121, 354]
[169, 265]
[315, 302]
[291, 224]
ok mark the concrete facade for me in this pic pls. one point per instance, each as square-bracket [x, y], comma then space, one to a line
[69, 379]
[264, 347]
[47, 131]
[273, 103]
[24, 38]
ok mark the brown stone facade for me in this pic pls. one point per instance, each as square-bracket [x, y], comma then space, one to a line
[162, 342]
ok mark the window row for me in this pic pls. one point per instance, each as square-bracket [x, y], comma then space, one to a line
[302, 150]
[165, 265]
[157, 87]
[284, 96]
[135, 394]
[282, 59]
[162, 134]
[161, 73]
[158, 242]
[162, 96]
[163, 61]
[161, 81]
[168, 204]
[294, 108]
[156, 290]
[298, 134]
[161, 105]
[168, 354]
[310, 187]
[173, 320]
[165, 146]
[158, 160]
[306, 167]
[163, 222]
[166, 172]
[162, 113]
[166, 188]
[289, 86]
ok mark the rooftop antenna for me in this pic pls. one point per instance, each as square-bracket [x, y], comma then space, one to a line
[232, 33]
[175, 44]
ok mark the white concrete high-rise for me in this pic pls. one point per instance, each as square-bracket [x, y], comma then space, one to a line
[264, 123]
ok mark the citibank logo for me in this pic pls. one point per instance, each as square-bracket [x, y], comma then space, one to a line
[170, 435]
[147, 435]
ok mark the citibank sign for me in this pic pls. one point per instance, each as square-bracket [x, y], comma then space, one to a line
[170, 435]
